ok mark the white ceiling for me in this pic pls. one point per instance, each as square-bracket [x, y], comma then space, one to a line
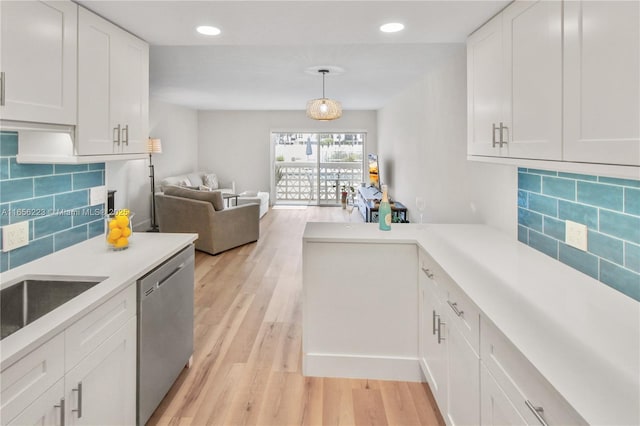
[259, 60]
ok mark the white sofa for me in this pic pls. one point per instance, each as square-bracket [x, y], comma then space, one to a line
[194, 181]
[255, 197]
[197, 179]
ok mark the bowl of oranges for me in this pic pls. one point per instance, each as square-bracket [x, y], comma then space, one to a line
[118, 229]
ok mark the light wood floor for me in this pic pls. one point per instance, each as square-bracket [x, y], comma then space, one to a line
[247, 362]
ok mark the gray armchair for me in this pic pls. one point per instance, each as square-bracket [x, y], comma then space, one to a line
[202, 212]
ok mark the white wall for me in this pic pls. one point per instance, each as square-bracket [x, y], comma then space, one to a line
[422, 144]
[236, 144]
[177, 127]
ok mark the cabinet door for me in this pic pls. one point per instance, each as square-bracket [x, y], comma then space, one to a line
[463, 402]
[532, 109]
[108, 382]
[495, 407]
[39, 56]
[601, 82]
[96, 132]
[485, 87]
[131, 91]
[433, 354]
[46, 410]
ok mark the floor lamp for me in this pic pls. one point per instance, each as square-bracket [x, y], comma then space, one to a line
[154, 146]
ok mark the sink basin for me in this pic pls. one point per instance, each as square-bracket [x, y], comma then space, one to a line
[34, 296]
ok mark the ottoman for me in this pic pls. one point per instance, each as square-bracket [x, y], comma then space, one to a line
[255, 197]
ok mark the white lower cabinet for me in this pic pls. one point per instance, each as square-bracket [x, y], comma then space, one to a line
[101, 389]
[47, 409]
[448, 341]
[535, 399]
[496, 409]
[98, 386]
[475, 373]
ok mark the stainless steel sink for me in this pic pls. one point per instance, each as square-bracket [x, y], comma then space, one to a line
[33, 296]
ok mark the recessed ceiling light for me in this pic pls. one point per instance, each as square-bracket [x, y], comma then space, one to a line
[208, 30]
[392, 27]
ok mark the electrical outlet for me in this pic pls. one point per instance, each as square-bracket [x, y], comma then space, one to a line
[98, 195]
[576, 235]
[14, 236]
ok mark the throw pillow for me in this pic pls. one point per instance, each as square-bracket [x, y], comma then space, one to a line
[195, 179]
[185, 182]
[211, 180]
[213, 197]
[204, 188]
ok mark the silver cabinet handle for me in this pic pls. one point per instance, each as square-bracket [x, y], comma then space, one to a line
[454, 306]
[125, 135]
[537, 411]
[440, 324]
[494, 142]
[502, 129]
[79, 409]
[61, 407]
[427, 272]
[2, 80]
[116, 135]
[433, 323]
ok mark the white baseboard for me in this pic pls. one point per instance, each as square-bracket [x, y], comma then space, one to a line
[361, 367]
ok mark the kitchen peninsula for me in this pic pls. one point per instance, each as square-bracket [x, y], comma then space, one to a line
[412, 303]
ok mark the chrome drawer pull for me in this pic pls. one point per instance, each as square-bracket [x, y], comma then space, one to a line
[116, 135]
[537, 411]
[502, 129]
[440, 324]
[79, 390]
[454, 306]
[427, 272]
[61, 407]
[494, 142]
[434, 321]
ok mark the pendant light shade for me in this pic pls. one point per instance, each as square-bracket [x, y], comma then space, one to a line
[324, 109]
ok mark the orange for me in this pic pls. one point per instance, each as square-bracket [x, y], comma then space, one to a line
[126, 231]
[113, 224]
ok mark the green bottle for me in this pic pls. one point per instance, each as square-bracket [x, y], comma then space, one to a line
[384, 211]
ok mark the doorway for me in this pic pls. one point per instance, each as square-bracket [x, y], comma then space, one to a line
[312, 168]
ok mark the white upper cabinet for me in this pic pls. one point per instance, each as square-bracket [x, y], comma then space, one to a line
[514, 83]
[532, 109]
[602, 82]
[113, 88]
[38, 61]
[485, 86]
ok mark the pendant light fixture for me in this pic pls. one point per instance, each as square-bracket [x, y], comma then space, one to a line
[324, 109]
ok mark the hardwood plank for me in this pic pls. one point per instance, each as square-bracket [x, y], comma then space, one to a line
[398, 403]
[368, 407]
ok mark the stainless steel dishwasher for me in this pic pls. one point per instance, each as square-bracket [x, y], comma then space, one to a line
[165, 329]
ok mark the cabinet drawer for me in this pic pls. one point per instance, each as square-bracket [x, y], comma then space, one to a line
[521, 382]
[24, 381]
[94, 328]
[433, 271]
[464, 315]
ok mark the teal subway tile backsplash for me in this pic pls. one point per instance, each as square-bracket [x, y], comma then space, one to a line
[610, 208]
[600, 195]
[53, 198]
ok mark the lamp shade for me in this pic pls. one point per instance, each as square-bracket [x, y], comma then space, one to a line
[154, 146]
[324, 109]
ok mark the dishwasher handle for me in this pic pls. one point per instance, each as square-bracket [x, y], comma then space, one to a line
[168, 277]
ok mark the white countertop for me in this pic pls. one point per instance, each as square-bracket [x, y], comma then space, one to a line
[581, 335]
[88, 259]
